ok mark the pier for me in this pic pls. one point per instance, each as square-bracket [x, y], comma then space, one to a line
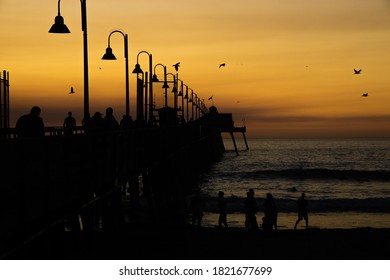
[72, 188]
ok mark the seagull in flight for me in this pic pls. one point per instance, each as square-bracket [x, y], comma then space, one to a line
[71, 90]
[357, 71]
[364, 94]
[222, 65]
[176, 66]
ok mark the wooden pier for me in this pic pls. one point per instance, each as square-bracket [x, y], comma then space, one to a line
[71, 186]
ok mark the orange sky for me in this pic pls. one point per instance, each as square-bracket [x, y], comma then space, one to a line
[289, 63]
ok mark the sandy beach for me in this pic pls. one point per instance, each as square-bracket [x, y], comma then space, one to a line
[207, 243]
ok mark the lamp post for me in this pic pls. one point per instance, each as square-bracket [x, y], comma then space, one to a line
[192, 104]
[182, 97]
[60, 27]
[186, 97]
[110, 56]
[174, 90]
[165, 85]
[138, 70]
[195, 103]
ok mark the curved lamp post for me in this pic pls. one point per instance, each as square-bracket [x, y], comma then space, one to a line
[138, 70]
[165, 85]
[110, 56]
[60, 27]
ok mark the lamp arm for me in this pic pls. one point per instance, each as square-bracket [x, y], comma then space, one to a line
[142, 52]
[124, 37]
[154, 69]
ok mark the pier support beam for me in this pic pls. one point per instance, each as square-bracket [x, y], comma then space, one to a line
[246, 143]
[234, 143]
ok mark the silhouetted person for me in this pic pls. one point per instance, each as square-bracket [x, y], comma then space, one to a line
[126, 122]
[250, 211]
[222, 210]
[97, 122]
[69, 124]
[110, 123]
[31, 125]
[197, 205]
[302, 211]
[270, 213]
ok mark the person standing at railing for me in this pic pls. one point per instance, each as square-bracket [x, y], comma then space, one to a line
[69, 124]
[31, 125]
[110, 123]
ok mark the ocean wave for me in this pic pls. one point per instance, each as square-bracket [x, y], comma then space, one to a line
[318, 174]
[369, 205]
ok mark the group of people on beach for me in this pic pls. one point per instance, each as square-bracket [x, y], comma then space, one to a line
[269, 221]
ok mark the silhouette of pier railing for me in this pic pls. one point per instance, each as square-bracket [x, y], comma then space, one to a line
[52, 183]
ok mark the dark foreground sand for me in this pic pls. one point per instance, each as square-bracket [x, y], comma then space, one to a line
[188, 243]
[207, 243]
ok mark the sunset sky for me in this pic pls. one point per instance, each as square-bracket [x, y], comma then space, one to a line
[289, 63]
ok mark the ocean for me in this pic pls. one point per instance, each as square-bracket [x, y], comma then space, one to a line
[346, 181]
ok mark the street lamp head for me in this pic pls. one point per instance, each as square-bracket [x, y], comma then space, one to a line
[165, 85]
[137, 69]
[59, 26]
[155, 79]
[174, 90]
[109, 55]
[180, 93]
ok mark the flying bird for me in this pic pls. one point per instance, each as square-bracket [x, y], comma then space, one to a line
[211, 97]
[357, 71]
[176, 66]
[365, 94]
[71, 90]
[222, 65]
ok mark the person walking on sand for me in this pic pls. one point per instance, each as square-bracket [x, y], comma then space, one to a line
[222, 210]
[302, 211]
[250, 211]
[270, 213]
